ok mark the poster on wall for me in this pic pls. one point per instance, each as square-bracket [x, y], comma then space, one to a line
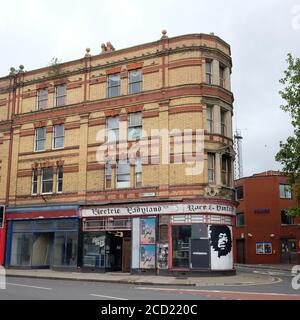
[221, 247]
[147, 231]
[147, 256]
[162, 256]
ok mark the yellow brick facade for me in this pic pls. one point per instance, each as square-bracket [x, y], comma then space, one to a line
[174, 95]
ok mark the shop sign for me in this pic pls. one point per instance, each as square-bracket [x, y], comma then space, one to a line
[191, 208]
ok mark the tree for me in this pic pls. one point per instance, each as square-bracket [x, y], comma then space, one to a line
[289, 153]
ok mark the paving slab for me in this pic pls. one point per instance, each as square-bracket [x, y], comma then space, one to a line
[281, 267]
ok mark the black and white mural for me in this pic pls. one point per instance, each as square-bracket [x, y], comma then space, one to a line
[221, 247]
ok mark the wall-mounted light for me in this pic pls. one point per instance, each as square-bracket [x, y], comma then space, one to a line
[250, 235]
[272, 235]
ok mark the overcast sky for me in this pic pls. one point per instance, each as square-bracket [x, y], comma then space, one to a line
[260, 33]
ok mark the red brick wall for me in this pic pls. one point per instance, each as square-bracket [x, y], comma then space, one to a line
[263, 192]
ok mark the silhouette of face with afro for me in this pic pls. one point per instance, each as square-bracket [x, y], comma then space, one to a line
[220, 239]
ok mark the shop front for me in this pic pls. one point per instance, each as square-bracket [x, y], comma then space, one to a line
[159, 238]
[44, 237]
[106, 244]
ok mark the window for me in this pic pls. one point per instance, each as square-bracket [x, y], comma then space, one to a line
[65, 249]
[211, 167]
[240, 219]
[94, 249]
[34, 181]
[134, 126]
[223, 122]
[226, 170]
[285, 191]
[208, 67]
[123, 174]
[58, 136]
[209, 118]
[21, 249]
[42, 99]
[112, 131]
[239, 192]
[285, 219]
[181, 246]
[221, 74]
[135, 81]
[60, 176]
[47, 180]
[40, 139]
[263, 247]
[138, 172]
[113, 85]
[60, 95]
[108, 175]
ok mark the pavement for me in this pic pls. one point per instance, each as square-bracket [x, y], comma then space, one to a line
[241, 278]
[277, 267]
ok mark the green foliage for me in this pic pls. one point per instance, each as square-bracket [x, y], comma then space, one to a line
[289, 153]
[54, 67]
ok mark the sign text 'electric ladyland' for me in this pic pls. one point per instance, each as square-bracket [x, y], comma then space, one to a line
[182, 208]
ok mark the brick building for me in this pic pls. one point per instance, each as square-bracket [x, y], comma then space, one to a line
[264, 233]
[75, 198]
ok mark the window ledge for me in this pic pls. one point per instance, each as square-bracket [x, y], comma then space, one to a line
[58, 148]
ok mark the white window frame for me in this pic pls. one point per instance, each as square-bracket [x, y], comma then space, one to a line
[35, 139]
[210, 121]
[213, 169]
[130, 91]
[56, 96]
[113, 129]
[223, 129]
[263, 244]
[138, 171]
[39, 100]
[287, 194]
[222, 79]
[107, 174]
[42, 180]
[115, 86]
[58, 179]
[57, 137]
[228, 177]
[32, 181]
[208, 73]
[121, 184]
[134, 126]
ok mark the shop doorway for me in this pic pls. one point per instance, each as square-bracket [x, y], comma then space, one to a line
[126, 254]
[113, 248]
[288, 251]
[109, 251]
[118, 250]
[42, 249]
[240, 251]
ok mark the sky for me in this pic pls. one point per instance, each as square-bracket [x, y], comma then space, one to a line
[260, 33]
